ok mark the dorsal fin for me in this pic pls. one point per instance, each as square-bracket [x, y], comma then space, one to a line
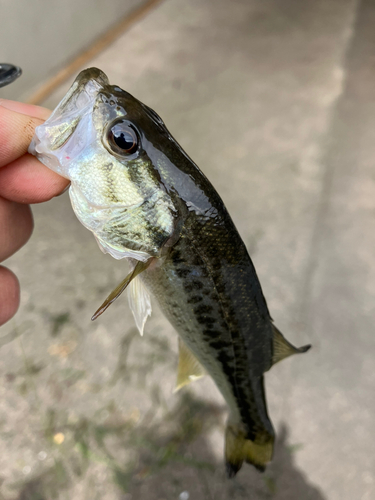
[282, 348]
[189, 368]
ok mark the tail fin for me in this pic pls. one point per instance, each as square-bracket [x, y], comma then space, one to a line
[238, 449]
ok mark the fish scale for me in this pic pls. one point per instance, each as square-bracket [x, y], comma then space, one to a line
[215, 333]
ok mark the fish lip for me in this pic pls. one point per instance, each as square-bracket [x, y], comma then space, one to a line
[78, 102]
[88, 82]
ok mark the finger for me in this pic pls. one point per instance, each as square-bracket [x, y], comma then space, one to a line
[9, 294]
[26, 109]
[26, 180]
[16, 132]
[16, 225]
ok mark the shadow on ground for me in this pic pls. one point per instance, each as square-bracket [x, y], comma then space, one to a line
[167, 459]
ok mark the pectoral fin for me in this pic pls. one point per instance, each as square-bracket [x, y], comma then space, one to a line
[282, 348]
[139, 268]
[189, 368]
[139, 302]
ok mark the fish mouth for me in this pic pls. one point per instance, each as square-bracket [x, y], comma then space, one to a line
[81, 95]
[72, 112]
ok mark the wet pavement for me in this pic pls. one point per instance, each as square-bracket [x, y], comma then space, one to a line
[275, 102]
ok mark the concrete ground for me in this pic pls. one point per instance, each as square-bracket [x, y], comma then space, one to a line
[275, 101]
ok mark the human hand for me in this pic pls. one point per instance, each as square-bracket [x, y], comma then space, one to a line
[23, 180]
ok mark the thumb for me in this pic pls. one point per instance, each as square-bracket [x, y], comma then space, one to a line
[26, 109]
[17, 129]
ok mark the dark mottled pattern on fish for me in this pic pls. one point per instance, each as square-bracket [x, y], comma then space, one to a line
[199, 268]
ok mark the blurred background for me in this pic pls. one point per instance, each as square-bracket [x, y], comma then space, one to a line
[275, 101]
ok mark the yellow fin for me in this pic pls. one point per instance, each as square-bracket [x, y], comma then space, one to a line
[189, 368]
[238, 450]
[282, 348]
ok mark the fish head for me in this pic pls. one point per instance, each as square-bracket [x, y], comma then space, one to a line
[95, 130]
[100, 137]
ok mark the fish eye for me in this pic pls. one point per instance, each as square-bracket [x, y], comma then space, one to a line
[122, 138]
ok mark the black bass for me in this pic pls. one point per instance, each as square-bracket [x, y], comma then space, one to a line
[144, 199]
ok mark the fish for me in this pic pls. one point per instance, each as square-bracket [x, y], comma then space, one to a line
[145, 200]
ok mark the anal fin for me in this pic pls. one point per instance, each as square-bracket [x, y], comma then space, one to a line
[282, 348]
[189, 368]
